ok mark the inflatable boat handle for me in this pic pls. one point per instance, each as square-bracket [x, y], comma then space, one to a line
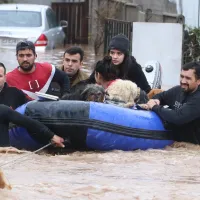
[67, 141]
[137, 107]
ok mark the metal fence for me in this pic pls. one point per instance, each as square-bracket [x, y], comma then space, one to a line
[76, 13]
[114, 27]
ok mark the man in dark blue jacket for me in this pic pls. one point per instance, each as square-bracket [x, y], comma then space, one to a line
[183, 112]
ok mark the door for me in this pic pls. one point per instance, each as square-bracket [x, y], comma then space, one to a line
[76, 13]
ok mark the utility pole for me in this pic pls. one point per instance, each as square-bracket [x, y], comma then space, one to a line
[181, 7]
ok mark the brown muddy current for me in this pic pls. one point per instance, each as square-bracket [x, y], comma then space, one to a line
[172, 173]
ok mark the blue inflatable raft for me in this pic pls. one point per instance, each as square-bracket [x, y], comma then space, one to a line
[95, 126]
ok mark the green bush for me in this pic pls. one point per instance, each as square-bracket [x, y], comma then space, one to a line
[191, 47]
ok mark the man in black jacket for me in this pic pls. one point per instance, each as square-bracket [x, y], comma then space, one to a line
[183, 112]
[13, 98]
[35, 128]
[10, 96]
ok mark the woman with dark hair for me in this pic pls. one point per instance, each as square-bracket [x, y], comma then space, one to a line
[118, 90]
[126, 66]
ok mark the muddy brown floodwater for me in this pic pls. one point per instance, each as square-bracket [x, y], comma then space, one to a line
[172, 173]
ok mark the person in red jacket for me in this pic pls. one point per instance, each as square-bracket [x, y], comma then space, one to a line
[33, 77]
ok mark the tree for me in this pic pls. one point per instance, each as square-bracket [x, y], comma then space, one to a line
[191, 45]
[106, 9]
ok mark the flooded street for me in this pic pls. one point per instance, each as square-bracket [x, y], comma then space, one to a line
[172, 173]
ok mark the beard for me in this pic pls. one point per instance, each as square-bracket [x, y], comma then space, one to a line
[186, 88]
[28, 68]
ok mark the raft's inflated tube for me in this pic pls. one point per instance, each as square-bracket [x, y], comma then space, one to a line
[146, 128]
[19, 136]
[94, 125]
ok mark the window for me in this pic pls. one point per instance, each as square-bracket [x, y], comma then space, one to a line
[20, 18]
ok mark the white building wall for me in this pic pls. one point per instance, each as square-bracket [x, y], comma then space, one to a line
[148, 44]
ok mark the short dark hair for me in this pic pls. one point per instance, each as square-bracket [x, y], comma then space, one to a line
[23, 45]
[106, 69]
[193, 65]
[3, 66]
[75, 50]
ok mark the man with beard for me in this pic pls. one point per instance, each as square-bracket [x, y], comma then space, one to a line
[33, 77]
[183, 112]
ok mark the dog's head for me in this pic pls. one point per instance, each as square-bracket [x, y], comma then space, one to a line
[93, 92]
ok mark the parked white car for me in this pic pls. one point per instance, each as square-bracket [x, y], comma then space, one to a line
[36, 23]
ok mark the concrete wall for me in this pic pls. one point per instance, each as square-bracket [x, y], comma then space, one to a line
[131, 13]
[157, 5]
[134, 11]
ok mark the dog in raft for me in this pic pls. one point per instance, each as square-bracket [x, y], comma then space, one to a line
[86, 92]
[123, 93]
[153, 92]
